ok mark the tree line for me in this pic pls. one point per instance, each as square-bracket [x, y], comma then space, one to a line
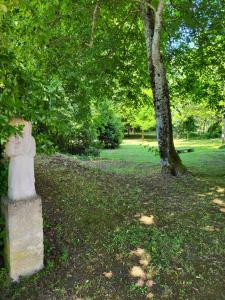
[65, 63]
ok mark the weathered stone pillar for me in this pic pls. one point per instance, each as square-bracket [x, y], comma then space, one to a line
[24, 236]
[22, 209]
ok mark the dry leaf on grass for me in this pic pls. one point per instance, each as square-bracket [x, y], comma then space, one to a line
[147, 220]
[219, 202]
[138, 252]
[150, 296]
[108, 274]
[220, 190]
[149, 283]
[222, 210]
[144, 262]
[140, 282]
[137, 271]
[209, 228]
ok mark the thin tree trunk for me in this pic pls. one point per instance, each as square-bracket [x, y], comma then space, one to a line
[223, 129]
[170, 160]
[142, 136]
[94, 18]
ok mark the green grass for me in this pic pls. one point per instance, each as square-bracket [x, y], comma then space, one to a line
[206, 160]
[92, 223]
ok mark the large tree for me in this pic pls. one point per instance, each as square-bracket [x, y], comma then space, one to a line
[170, 161]
[58, 57]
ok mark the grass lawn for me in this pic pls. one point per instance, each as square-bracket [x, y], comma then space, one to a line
[206, 160]
[115, 229]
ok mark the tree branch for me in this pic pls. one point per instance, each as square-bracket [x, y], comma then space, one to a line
[147, 3]
[148, 15]
[94, 19]
[157, 31]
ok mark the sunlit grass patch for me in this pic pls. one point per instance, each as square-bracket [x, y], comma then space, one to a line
[206, 159]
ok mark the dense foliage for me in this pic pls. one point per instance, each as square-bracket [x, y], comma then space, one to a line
[108, 126]
[57, 59]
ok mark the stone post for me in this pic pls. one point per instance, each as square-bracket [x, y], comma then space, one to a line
[22, 209]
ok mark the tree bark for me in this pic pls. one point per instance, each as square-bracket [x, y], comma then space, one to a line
[142, 136]
[223, 129]
[170, 160]
[94, 18]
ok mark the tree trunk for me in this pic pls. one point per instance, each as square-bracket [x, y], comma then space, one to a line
[170, 160]
[142, 136]
[223, 129]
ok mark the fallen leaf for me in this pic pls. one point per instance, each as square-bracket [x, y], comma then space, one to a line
[137, 271]
[108, 274]
[150, 296]
[222, 210]
[138, 252]
[220, 190]
[149, 283]
[140, 282]
[209, 228]
[144, 262]
[137, 215]
[119, 256]
[147, 220]
[219, 202]
[145, 259]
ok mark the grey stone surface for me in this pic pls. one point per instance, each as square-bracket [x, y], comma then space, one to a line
[24, 249]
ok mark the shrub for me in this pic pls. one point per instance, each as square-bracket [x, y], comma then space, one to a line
[79, 141]
[83, 142]
[111, 133]
[186, 128]
[215, 130]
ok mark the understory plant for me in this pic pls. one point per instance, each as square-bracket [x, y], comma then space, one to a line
[110, 129]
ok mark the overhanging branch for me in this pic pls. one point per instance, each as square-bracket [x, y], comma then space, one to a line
[94, 19]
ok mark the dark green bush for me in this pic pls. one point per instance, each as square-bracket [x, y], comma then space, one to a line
[214, 131]
[92, 151]
[186, 128]
[83, 142]
[80, 141]
[111, 133]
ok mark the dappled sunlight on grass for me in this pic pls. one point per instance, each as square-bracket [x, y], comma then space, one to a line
[175, 253]
[202, 143]
[206, 159]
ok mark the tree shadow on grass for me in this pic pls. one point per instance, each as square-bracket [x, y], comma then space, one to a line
[94, 219]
